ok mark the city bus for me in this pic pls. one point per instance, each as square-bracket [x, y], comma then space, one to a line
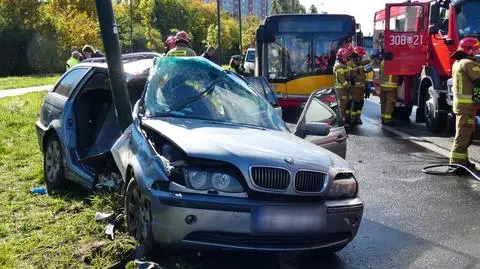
[296, 53]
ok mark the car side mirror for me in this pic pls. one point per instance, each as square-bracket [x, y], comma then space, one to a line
[313, 128]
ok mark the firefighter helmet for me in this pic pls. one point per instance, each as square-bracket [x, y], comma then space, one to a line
[360, 51]
[182, 36]
[468, 45]
[348, 46]
[343, 54]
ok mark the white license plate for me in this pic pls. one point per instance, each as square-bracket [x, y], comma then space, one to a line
[289, 219]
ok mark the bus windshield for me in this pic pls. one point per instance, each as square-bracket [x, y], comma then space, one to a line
[468, 19]
[302, 48]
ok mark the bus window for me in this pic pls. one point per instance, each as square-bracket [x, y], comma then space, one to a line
[324, 50]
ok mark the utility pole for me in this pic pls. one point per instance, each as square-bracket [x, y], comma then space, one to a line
[113, 54]
[240, 23]
[131, 25]
[219, 50]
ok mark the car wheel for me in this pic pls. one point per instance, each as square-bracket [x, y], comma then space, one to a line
[138, 216]
[53, 169]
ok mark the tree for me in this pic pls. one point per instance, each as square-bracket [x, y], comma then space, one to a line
[250, 25]
[286, 7]
[313, 9]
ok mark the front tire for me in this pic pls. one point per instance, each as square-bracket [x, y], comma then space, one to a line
[53, 169]
[138, 215]
[434, 121]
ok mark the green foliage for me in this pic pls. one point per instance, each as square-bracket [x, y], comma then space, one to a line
[286, 7]
[313, 9]
[250, 25]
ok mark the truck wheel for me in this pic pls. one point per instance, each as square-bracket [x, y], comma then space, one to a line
[402, 113]
[435, 122]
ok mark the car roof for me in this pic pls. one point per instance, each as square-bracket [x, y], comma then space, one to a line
[134, 64]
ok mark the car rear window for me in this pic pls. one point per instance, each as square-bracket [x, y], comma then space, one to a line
[70, 81]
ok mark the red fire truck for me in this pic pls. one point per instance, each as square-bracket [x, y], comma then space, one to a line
[416, 40]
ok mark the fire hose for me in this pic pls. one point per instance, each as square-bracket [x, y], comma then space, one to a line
[452, 169]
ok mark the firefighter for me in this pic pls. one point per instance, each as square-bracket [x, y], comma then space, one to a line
[170, 43]
[388, 94]
[466, 78]
[181, 49]
[357, 66]
[342, 81]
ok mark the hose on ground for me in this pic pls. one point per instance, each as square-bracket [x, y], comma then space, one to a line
[451, 170]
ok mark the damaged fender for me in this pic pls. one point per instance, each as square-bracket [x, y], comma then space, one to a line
[133, 151]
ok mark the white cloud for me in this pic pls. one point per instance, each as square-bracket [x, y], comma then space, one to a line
[363, 11]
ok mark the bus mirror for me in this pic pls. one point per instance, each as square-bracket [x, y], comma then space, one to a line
[433, 29]
[434, 15]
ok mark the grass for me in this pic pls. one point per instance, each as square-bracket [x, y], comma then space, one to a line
[27, 81]
[38, 231]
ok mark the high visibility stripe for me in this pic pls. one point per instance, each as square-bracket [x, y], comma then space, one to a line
[389, 86]
[471, 121]
[459, 155]
[360, 84]
[353, 113]
[476, 69]
[339, 86]
[464, 101]
[459, 78]
[387, 116]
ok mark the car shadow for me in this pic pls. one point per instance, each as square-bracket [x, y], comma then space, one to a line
[375, 246]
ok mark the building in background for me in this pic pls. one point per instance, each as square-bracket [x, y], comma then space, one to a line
[257, 8]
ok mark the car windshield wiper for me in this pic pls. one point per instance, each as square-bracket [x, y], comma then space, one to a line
[207, 90]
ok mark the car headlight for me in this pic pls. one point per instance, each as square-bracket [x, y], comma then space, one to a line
[343, 188]
[198, 179]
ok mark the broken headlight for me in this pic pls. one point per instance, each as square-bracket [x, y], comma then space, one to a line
[199, 179]
[343, 186]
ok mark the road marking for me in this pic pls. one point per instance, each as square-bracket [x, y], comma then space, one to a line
[418, 141]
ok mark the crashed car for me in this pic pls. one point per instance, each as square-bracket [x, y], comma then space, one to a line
[208, 163]
[78, 125]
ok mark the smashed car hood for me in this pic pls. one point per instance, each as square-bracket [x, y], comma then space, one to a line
[243, 146]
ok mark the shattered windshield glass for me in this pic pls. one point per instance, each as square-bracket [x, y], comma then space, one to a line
[197, 88]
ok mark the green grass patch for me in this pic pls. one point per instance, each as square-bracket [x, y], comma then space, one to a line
[27, 81]
[42, 231]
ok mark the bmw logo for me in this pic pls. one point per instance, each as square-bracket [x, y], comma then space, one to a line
[288, 160]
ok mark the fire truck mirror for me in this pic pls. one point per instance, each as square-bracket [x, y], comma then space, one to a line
[388, 56]
[434, 15]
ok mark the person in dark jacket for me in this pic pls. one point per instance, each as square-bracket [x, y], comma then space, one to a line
[209, 54]
[89, 52]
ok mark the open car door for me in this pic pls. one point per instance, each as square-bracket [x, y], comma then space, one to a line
[406, 38]
[322, 106]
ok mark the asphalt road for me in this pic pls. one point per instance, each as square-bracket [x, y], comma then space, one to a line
[411, 220]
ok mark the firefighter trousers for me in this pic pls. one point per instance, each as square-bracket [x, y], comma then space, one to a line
[344, 95]
[358, 99]
[464, 127]
[388, 98]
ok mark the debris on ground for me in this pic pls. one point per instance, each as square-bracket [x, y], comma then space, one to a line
[103, 216]
[114, 223]
[39, 190]
[109, 181]
[139, 264]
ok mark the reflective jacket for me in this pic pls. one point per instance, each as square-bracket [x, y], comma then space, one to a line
[358, 72]
[181, 51]
[71, 62]
[464, 74]
[388, 81]
[342, 75]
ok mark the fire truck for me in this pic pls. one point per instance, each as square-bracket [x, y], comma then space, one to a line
[416, 39]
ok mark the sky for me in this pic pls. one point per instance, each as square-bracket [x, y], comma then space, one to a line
[363, 11]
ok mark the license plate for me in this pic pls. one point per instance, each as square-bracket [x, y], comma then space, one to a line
[289, 219]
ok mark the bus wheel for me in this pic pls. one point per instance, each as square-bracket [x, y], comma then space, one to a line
[434, 121]
[402, 113]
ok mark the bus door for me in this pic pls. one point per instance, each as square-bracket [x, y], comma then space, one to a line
[406, 38]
